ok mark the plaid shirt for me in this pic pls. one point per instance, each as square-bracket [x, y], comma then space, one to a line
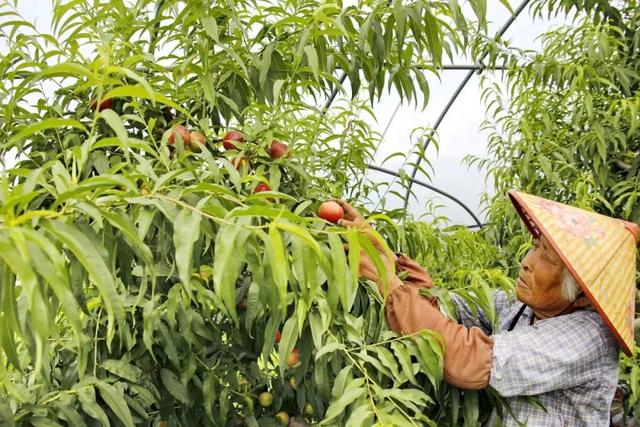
[569, 364]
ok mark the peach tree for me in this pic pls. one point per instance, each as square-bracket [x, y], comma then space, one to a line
[155, 272]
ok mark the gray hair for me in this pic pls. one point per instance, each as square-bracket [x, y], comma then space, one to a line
[570, 288]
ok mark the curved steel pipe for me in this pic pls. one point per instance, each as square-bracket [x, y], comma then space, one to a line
[432, 188]
[453, 98]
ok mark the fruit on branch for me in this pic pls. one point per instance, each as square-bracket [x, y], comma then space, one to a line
[278, 337]
[308, 409]
[184, 134]
[243, 381]
[331, 211]
[198, 140]
[104, 104]
[277, 149]
[283, 418]
[293, 383]
[265, 399]
[294, 358]
[262, 187]
[233, 140]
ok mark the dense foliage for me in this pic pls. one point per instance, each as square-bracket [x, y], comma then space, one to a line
[146, 281]
[144, 277]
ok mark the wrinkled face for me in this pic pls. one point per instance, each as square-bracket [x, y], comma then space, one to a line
[539, 283]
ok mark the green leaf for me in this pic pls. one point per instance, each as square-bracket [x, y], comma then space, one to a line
[141, 92]
[67, 410]
[211, 27]
[115, 122]
[387, 360]
[123, 223]
[8, 344]
[265, 64]
[67, 69]
[50, 265]
[507, 5]
[362, 416]
[378, 45]
[6, 413]
[404, 357]
[277, 88]
[228, 260]
[43, 422]
[176, 388]
[409, 396]
[375, 257]
[317, 331]
[470, 408]
[96, 183]
[87, 398]
[378, 367]
[290, 333]
[433, 37]
[279, 266]
[303, 233]
[209, 391]
[114, 398]
[354, 264]
[186, 230]
[430, 358]
[207, 83]
[61, 177]
[123, 369]
[210, 188]
[400, 17]
[132, 75]
[15, 260]
[46, 124]
[352, 392]
[338, 286]
[88, 254]
[341, 380]
[329, 348]
[312, 57]
[265, 211]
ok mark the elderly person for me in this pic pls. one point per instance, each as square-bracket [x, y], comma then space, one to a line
[559, 341]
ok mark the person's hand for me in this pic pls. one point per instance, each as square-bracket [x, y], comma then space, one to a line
[353, 218]
[368, 270]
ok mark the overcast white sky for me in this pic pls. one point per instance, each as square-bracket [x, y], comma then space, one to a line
[459, 133]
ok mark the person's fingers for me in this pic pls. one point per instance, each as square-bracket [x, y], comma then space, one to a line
[347, 223]
[349, 211]
[402, 262]
[401, 258]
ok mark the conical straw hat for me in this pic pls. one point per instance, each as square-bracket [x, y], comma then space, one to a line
[599, 252]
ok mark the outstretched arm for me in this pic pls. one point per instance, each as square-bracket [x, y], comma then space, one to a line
[467, 351]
